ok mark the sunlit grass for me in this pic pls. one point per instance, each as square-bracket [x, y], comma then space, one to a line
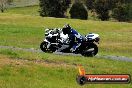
[29, 10]
[22, 27]
[21, 69]
[28, 31]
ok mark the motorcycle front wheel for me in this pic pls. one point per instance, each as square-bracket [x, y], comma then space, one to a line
[43, 46]
[91, 50]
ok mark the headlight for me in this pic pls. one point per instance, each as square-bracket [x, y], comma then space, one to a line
[46, 34]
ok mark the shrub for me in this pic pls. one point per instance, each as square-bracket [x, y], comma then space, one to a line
[121, 12]
[102, 9]
[78, 11]
[54, 8]
[90, 4]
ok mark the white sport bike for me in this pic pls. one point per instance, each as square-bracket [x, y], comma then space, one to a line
[55, 40]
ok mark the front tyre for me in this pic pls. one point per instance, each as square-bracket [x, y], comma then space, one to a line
[91, 50]
[43, 46]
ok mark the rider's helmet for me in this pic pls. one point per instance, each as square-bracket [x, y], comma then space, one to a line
[66, 29]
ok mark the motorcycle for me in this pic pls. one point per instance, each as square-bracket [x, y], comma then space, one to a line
[55, 39]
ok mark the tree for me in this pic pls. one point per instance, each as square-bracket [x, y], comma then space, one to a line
[102, 9]
[128, 4]
[78, 11]
[121, 12]
[54, 8]
[130, 12]
[90, 4]
[4, 4]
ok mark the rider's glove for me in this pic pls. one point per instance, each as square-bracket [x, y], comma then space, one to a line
[72, 50]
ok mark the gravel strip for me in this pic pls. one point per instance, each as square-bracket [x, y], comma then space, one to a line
[121, 58]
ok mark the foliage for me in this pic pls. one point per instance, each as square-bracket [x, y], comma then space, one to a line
[130, 11]
[102, 9]
[79, 11]
[4, 4]
[121, 12]
[90, 4]
[54, 8]
[121, 9]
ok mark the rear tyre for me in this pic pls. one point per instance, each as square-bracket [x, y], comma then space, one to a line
[91, 50]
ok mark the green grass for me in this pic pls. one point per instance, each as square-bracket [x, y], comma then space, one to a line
[28, 31]
[20, 69]
[21, 27]
[21, 74]
[95, 65]
[29, 10]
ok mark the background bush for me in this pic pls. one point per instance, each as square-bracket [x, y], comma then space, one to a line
[54, 8]
[102, 9]
[78, 11]
[121, 12]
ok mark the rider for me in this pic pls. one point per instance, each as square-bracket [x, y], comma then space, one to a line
[74, 37]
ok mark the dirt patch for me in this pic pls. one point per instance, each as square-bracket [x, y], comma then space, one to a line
[4, 60]
[7, 61]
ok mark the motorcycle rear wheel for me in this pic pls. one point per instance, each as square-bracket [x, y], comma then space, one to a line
[91, 53]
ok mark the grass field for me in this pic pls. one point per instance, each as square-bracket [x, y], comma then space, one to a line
[28, 31]
[23, 69]
[29, 10]
[22, 27]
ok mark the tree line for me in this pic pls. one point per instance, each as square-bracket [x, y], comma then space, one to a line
[4, 4]
[120, 10]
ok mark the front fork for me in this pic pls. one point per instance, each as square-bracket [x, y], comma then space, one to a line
[48, 43]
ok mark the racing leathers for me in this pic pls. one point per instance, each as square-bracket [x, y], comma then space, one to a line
[75, 40]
